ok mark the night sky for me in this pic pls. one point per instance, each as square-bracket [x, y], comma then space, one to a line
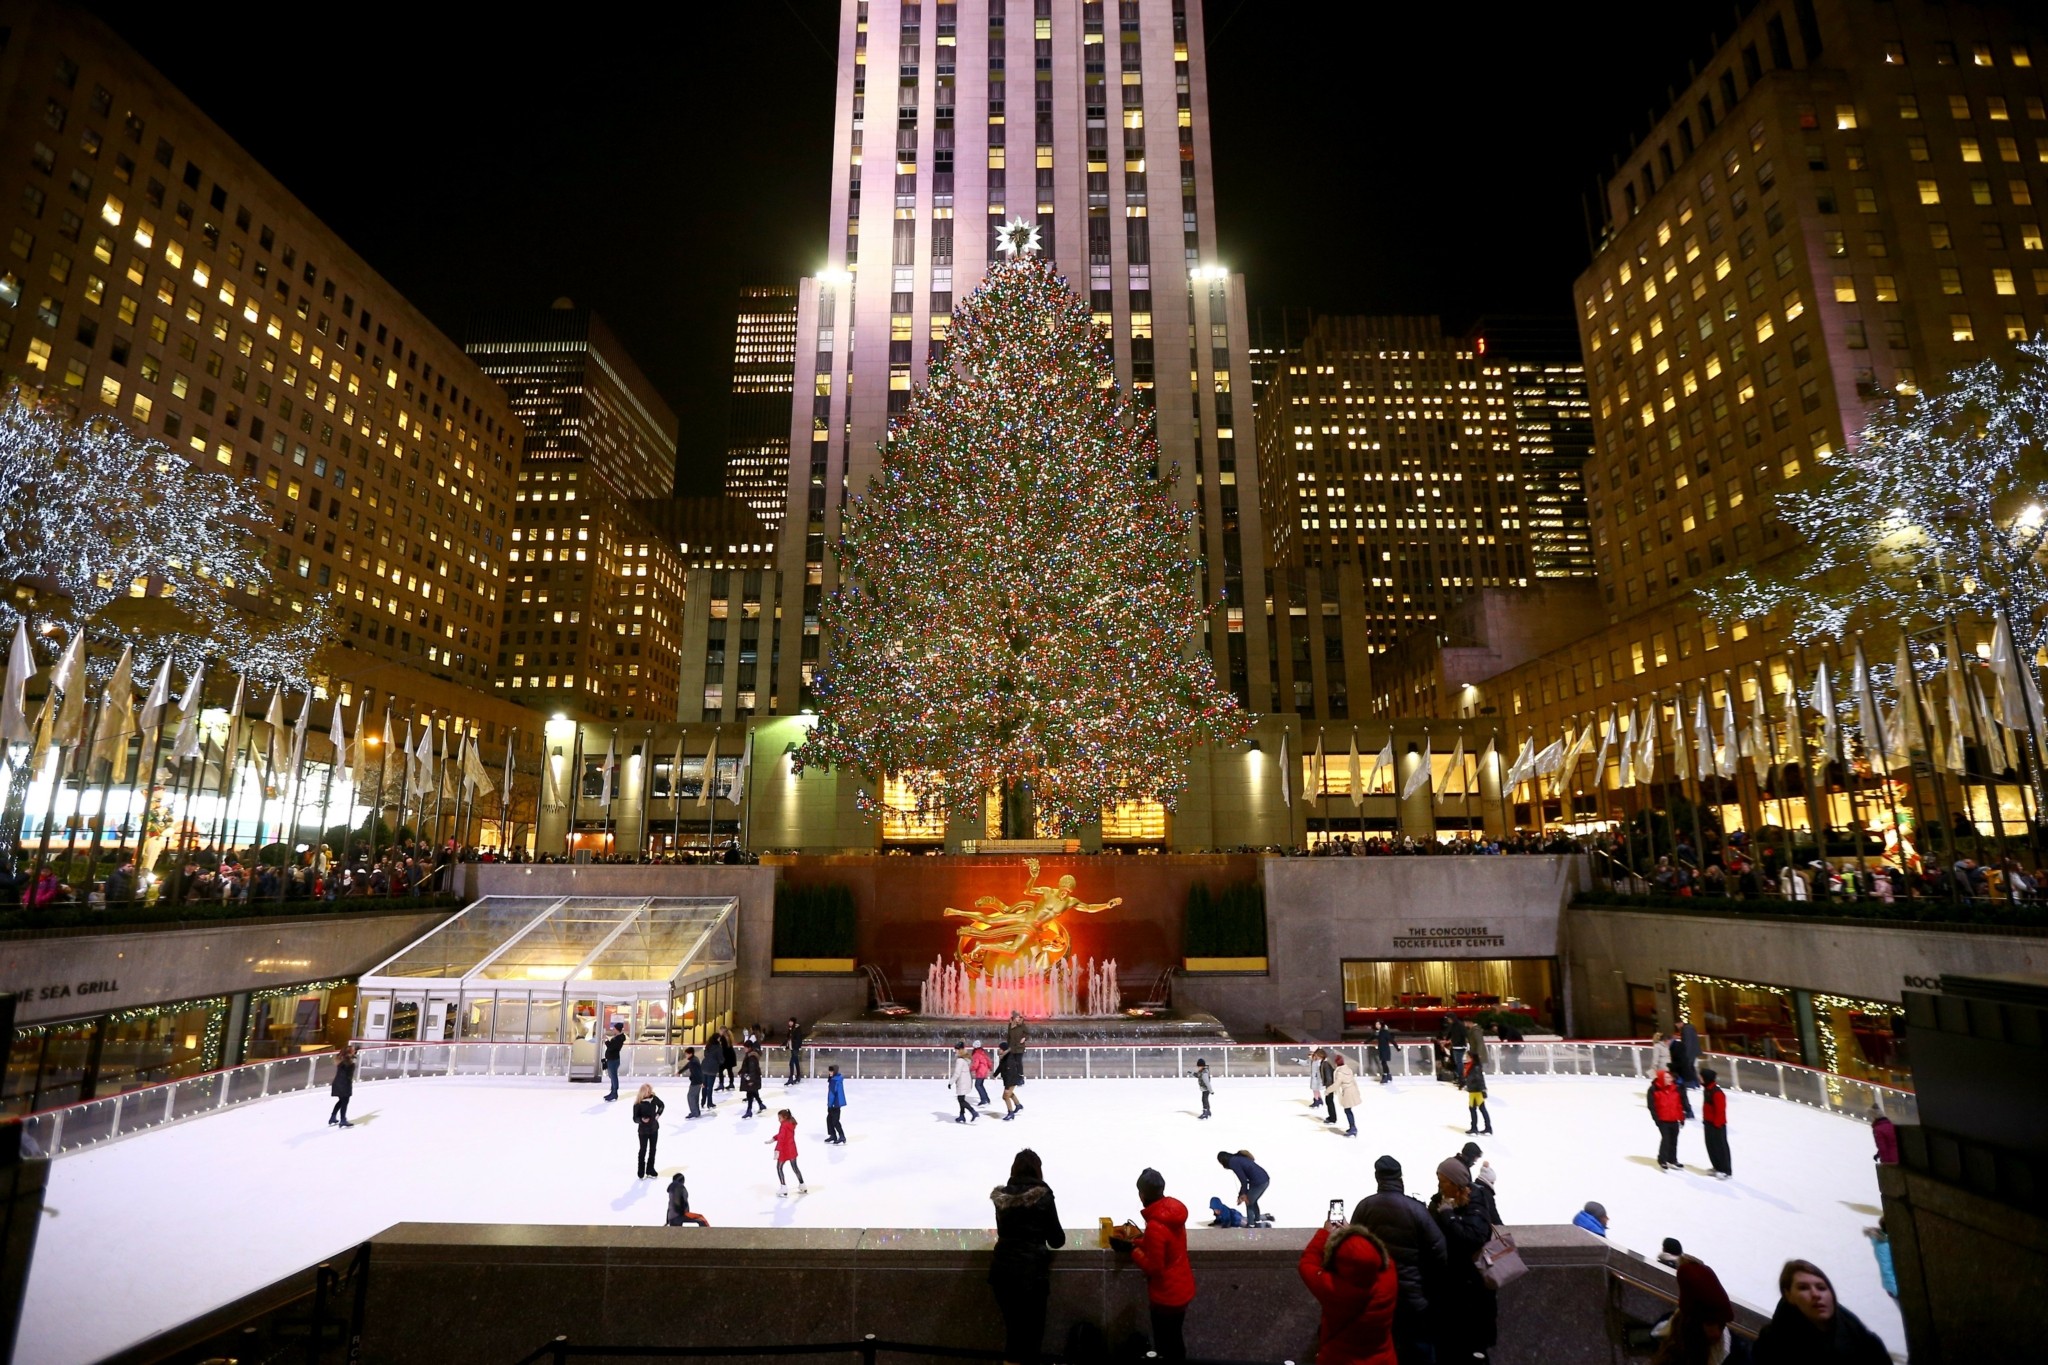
[1430, 158]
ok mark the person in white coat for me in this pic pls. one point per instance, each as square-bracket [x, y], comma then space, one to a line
[963, 1084]
[1344, 1089]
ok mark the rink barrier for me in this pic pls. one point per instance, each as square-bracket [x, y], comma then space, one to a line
[869, 1348]
[54, 1132]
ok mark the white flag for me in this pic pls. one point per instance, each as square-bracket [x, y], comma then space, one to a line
[1911, 728]
[231, 746]
[707, 789]
[14, 724]
[337, 735]
[739, 782]
[1681, 759]
[1491, 759]
[1419, 778]
[1646, 758]
[1703, 735]
[604, 796]
[186, 743]
[1311, 788]
[1606, 745]
[505, 789]
[675, 779]
[2019, 695]
[1383, 761]
[1955, 758]
[1728, 760]
[1455, 772]
[158, 701]
[299, 728]
[1759, 727]
[117, 718]
[1356, 774]
[278, 754]
[1868, 715]
[69, 679]
[1628, 748]
[1830, 725]
[1525, 762]
[550, 780]
[473, 775]
[1286, 795]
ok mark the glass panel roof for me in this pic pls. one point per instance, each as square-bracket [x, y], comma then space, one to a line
[542, 939]
[653, 947]
[468, 938]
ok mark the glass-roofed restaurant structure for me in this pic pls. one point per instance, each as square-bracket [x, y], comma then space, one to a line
[548, 969]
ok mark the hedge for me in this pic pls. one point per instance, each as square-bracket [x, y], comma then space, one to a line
[1226, 923]
[815, 921]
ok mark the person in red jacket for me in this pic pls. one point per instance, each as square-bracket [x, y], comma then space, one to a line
[1352, 1275]
[1714, 1114]
[1667, 1108]
[1161, 1251]
[784, 1143]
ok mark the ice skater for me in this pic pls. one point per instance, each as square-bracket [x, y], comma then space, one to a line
[1013, 1080]
[983, 1066]
[1714, 1121]
[343, 1086]
[1667, 1111]
[613, 1046]
[693, 1071]
[1317, 1078]
[1383, 1045]
[1344, 1095]
[750, 1081]
[728, 1058]
[1252, 1181]
[1326, 1073]
[962, 1082]
[1475, 1095]
[796, 1053]
[647, 1111]
[679, 1205]
[784, 1143]
[835, 1100]
[1202, 1080]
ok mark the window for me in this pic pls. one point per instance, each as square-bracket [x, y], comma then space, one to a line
[1845, 117]
[1951, 280]
[1959, 106]
[1971, 150]
[1980, 192]
[1845, 289]
[1909, 107]
[1960, 327]
[1886, 289]
[1930, 192]
[2001, 281]
[1916, 149]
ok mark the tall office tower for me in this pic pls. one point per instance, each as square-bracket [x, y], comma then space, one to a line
[1091, 121]
[1275, 332]
[1844, 205]
[1388, 469]
[154, 272]
[1545, 377]
[763, 378]
[592, 611]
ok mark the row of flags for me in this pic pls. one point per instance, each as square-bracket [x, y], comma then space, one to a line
[553, 797]
[2001, 718]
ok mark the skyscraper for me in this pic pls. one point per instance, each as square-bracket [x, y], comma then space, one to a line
[1545, 380]
[592, 605]
[1104, 109]
[763, 378]
[1387, 462]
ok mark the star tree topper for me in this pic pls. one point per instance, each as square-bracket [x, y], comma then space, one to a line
[1017, 238]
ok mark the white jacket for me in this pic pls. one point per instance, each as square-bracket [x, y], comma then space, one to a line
[963, 1076]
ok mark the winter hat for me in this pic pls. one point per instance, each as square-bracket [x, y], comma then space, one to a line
[1598, 1210]
[1386, 1165]
[1484, 1175]
[1700, 1295]
[1455, 1171]
[1151, 1185]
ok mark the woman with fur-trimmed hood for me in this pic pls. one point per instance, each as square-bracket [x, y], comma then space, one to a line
[1028, 1231]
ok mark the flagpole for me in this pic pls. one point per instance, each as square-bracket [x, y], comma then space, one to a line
[99, 829]
[64, 753]
[1851, 779]
[711, 793]
[646, 852]
[575, 793]
[327, 812]
[1877, 726]
[505, 798]
[2031, 773]
[1949, 851]
[1981, 722]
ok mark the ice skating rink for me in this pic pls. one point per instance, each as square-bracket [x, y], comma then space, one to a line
[148, 1232]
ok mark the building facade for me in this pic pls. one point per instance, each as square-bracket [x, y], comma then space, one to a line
[1392, 487]
[1843, 206]
[1539, 363]
[763, 382]
[593, 609]
[1104, 108]
[155, 273]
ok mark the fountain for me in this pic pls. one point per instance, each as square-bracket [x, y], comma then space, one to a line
[1060, 990]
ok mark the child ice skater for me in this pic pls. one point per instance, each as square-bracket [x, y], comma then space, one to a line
[1202, 1079]
[784, 1143]
[835, 1100]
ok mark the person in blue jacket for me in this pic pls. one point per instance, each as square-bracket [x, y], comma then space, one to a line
[1251, 1181]
[835, 1100]
[1224, 1215]
[1593, 1218]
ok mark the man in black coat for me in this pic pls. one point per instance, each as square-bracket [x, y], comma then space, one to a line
[1466, 1322]
[796, 1043]
[1383, 1044]
[613, 1046]
[1399, 1219]
[695, 1071]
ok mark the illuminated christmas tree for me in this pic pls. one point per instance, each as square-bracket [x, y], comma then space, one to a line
[1019, 610]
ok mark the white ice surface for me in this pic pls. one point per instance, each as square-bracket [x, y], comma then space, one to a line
[150, 1231]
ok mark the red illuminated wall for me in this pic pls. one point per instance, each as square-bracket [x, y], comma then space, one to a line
[902, 902]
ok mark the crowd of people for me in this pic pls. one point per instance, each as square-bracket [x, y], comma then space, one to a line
[1734, 868]
[1399, 1281]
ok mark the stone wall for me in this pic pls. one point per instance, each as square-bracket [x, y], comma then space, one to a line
[1320, 911]
[1607, 949]
[463, 1294]
[78, 975]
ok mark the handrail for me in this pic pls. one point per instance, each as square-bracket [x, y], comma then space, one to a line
[867, 1348]
[85, 1123]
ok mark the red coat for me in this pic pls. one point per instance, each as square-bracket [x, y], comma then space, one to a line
[1666, 1105]
[1357, 1295]
[1163, 1254]
[1714, 1107]
[785, 1141]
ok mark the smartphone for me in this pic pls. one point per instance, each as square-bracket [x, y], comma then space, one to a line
[1335, 1218]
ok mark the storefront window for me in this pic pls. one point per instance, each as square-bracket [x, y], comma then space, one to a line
[1412, 996]
[283, 1023]
[146, 1047]
[1743, 1018]
[1863, 1038]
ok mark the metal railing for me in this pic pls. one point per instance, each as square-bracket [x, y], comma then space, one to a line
[869, 1348]
[67, 1129]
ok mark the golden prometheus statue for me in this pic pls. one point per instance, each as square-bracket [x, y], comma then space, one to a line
[1027, 933]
